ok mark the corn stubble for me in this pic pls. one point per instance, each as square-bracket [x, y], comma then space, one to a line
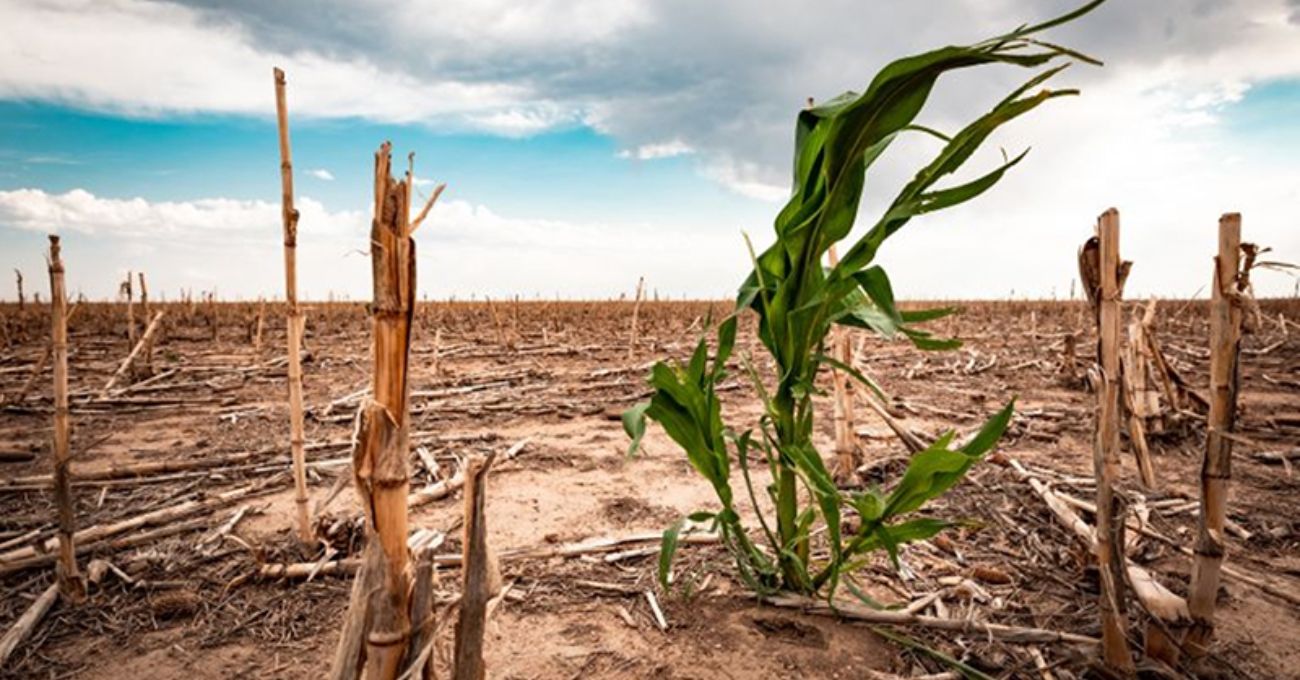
[379, 619]
[797, 302]
[71, 583]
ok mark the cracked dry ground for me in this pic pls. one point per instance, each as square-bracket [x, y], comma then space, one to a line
[487, 375]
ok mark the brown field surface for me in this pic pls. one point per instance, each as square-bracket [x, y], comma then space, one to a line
[184, 598]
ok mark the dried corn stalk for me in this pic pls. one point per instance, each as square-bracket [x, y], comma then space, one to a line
[296, 322]
[1105, 295]
[377, 633]
[71, 584]
[1228, 295]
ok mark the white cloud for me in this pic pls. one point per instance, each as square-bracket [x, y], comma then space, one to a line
[490, 26]
[647, 152]
[322, 174]
[522, 122]
[212, 66]
[721, 77]
[464, 249]
[746, 179]
[222, 219]
[234, 246]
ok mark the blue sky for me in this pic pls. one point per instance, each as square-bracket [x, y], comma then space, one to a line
[588, 143]
[572, 174]
[1266, 117]
[177, 158]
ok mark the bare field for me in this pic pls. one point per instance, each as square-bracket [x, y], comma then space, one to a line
[186, 597]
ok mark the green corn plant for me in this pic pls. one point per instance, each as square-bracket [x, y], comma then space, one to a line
[797, 301]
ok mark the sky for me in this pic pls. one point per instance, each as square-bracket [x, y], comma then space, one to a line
[588, 143]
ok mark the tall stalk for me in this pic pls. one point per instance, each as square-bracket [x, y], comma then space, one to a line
[294, 320]
[71, 584]
[1106, 461]
[1229, 286]
[797, 302]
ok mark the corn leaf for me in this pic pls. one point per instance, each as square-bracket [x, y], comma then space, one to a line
[796, 301]
[634, 426]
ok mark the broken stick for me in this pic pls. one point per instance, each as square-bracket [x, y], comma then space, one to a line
[23, 627]
[480, 580]
[130, 359]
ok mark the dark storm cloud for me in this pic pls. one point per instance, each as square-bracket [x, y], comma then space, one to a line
[724, 77]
